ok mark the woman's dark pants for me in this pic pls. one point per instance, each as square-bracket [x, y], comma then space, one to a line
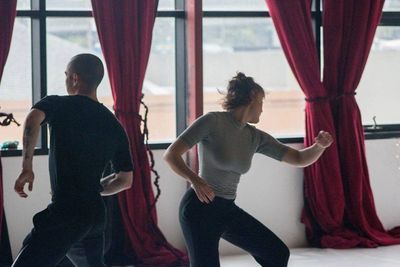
[204, 224]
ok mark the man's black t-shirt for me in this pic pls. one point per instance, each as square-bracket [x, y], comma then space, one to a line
[84, 137]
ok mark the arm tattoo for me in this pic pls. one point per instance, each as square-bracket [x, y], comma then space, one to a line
[27, 141]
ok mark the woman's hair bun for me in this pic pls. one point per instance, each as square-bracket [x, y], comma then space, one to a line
[240, 76]
[240, 91]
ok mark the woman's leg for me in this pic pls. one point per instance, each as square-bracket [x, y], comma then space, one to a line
[201, 229]
[251, 235]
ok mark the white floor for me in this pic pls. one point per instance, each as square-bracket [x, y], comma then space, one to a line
[310, 257]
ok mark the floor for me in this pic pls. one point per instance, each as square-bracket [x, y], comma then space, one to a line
[310, 257]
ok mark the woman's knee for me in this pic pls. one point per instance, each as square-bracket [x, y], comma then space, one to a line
[283, 256]
[278, 256]
[286, 255]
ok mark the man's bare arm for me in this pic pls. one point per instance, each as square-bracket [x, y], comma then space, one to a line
[31, 133]
[116, 183]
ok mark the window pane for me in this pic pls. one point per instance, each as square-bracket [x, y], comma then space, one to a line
[68, 5]
[16, 83]
[391, 5]
[252, 46]
[378, 92]
[86, 4]
[23, 4]
[166, 4]
[238, 5]
[67, 37]
[159, 84]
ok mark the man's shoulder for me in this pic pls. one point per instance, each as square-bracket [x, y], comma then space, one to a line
[54, 99]
[50, 98]
[108, 116]
[47, 103]
[58, 97]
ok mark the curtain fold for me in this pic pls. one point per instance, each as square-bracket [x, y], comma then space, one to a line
[8, 11]
[338, 209]
[349, 29]
[125, 33]
[323, 191]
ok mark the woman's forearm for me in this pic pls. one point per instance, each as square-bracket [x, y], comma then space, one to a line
[303, 157]
[309, 155]
[173, 156]
[179, 166]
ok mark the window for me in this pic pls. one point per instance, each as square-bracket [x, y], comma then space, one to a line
[159, 85]
[23, 4]
[65, 38]
[240, 36]
[16, 83]
[250, 45]
[391, 5]
[68, 5]
[69, 29]
[86, 4]
[248, 5]
[378, 91]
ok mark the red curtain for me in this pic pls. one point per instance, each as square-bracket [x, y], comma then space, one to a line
[349, 29]
[339, 210]
[125, 33]
[322, 196]
[8, 11]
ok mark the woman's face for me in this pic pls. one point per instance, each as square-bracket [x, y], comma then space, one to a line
[256, 107]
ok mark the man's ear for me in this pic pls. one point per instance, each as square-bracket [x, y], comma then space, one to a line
[75, 79]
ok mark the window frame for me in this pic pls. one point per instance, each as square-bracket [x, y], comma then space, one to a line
[384, 131]
[389, 18]
[38, 15]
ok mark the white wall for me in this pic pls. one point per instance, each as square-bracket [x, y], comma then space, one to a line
[19, 211]
[271, 191]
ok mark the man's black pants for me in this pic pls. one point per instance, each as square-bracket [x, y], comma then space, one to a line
[68, 227]
[204, 224]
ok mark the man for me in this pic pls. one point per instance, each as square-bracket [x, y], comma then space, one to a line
[84, 137]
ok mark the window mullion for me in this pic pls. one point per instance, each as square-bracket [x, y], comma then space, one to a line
[180, 69]
[39, 75]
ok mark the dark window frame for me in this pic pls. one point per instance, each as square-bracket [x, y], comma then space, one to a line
[38, 15]
[389, 18]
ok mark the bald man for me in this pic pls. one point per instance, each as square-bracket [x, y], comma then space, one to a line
[85, 137]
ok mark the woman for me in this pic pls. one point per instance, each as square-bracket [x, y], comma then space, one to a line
[226, 145]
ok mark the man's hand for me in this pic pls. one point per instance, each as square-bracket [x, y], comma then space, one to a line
[26, 177]
[116, 183]
[324, 139]
[203, 191]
